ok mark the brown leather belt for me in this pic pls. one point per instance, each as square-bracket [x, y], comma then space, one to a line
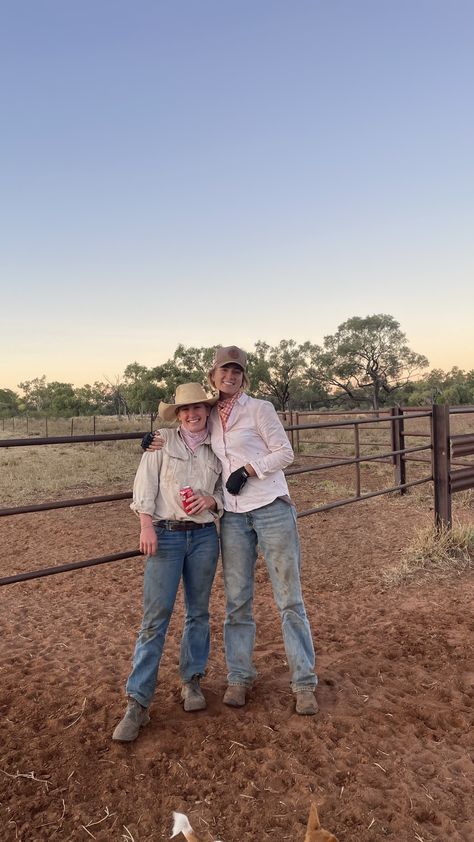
[181, 525]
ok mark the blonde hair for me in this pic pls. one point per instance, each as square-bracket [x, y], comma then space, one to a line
[210, 380]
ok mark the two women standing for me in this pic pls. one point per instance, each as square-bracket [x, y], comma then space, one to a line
[251, 448]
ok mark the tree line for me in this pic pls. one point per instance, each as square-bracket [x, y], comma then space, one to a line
[367, 363]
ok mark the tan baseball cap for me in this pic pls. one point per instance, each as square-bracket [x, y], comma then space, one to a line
[230, 355]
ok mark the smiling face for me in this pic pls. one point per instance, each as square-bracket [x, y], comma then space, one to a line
[228, 380]
[193, 416]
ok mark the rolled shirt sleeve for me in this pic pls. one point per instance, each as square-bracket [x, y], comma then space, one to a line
[147, 483]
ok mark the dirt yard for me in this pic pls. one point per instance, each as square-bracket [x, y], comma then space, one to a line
[389, 756]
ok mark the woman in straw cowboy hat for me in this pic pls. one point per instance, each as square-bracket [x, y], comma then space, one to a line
[180, 543]
[253, 449]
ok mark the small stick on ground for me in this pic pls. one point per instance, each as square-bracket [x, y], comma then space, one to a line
[108, 815]
[77, 718]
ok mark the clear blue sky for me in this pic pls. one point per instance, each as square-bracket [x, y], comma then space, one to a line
[231, 170]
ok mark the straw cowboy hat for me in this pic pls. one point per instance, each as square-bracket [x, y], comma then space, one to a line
[186, 394]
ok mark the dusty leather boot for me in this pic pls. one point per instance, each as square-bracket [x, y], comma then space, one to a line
[192, 695]
[306, 704]
[136, 716]
[235, 695]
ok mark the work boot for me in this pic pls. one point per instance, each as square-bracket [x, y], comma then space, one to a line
[306, 704]
[136, 716]
[192, 695]
[235, 695]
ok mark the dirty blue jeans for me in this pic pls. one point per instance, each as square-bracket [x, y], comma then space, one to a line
[273, 529]
[192, 555]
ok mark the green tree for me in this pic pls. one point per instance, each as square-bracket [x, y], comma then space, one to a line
[426, 390]
[458, 387]
[116, 395]
[35, 394]
[54, 398]
[455, 387]
[367, 359]
[186, 365]
[8, 403]
[94, 400]
[280, 371]
[62, 399]
[143, 387]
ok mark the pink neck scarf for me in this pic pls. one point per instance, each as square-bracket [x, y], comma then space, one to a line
[193, 440]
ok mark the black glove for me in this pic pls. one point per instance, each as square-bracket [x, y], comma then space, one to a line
[147, 440]
[237, 480]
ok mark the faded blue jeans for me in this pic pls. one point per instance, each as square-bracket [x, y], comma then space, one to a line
[192, 555]
[273, 529]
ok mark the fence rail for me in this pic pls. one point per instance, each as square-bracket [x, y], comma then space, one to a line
[32, 423]
[441, 445]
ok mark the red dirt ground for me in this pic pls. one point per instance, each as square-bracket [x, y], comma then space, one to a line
[389, 756]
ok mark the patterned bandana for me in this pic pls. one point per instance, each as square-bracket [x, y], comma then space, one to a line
[193, 440]
[226, 406]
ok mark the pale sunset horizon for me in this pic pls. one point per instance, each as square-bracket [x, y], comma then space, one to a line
[226, 173]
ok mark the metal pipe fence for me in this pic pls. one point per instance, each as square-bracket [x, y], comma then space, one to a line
[33, 425]
[440, 444]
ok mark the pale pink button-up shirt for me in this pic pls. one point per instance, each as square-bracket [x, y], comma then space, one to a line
[255, 435]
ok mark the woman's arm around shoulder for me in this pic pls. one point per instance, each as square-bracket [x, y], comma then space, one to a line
[156, 440]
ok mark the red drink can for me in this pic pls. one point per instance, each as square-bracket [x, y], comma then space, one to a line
[185, 493]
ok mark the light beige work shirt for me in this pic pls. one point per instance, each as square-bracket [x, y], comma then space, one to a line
[163, 473]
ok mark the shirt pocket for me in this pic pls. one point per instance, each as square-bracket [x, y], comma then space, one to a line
[174, 469]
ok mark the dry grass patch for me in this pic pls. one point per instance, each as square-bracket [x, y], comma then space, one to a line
[465, 499]
[36, 474]
[443, 551]
[332, 491]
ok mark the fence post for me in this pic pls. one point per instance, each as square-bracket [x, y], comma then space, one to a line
[441, 465]
[398, 443]
[297, 421]
[46, 425]
[357, 456]
[72, 427]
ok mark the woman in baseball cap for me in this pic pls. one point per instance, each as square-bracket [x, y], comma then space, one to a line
[253, 449]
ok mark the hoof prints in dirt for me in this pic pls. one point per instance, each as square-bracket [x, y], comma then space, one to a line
[387, 757]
